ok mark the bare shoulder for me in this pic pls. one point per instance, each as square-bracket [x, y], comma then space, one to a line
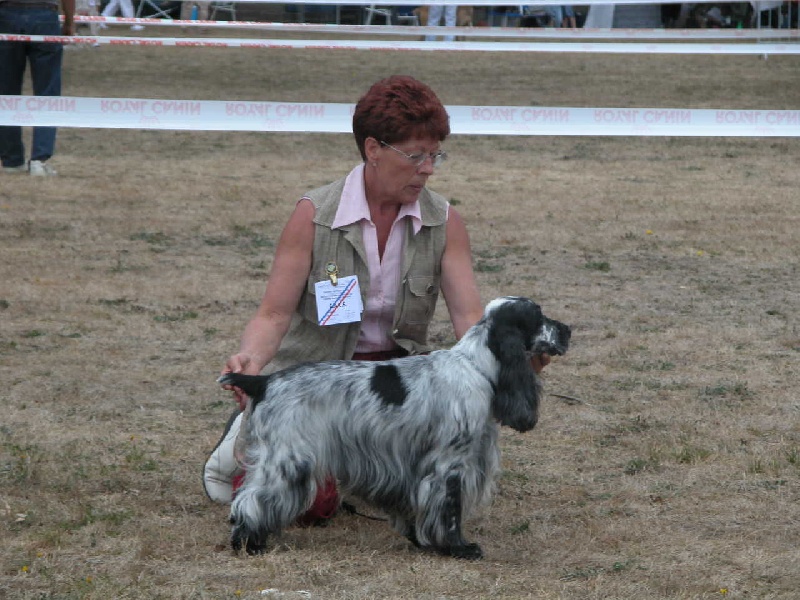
[299, 229]
[457, 236]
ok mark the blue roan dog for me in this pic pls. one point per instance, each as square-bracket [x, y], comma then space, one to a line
[415, 437]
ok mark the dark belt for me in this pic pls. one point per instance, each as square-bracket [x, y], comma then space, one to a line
[378, 356]
[32, 5]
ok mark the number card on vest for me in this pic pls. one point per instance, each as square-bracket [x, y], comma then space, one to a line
[340, 303]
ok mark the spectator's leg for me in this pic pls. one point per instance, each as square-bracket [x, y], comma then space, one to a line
[127, 8]
[450, 20]
[45, 62]
[12, 59]
[111, 8]
[434, 16]
[203, 8]
[186, 10]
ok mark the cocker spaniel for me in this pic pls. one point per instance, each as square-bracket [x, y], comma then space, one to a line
[415, 437]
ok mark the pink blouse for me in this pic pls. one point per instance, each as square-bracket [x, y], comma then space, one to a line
[384, 275]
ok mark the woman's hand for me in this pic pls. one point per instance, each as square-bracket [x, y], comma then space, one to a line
[238, 363]
[539, 362]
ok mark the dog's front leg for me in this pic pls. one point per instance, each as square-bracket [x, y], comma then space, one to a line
[454, 543]
[458, 546]
[252, 541]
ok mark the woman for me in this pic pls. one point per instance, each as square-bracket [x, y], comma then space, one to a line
[379, 226]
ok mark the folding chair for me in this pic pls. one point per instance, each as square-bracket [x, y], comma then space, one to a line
[405, 15]
[384, 12]
[228, 7]
[160, 9]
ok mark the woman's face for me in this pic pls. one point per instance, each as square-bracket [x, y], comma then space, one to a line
[399, 177]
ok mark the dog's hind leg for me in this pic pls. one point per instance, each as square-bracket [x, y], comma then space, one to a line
[405, 528]
[272, 497]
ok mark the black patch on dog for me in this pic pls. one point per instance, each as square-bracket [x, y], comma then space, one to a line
[387, 384]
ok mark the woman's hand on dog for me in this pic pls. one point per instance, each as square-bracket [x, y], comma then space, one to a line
[539, 362]
[238, 363]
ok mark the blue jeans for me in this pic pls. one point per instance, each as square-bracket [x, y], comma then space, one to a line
[45, 61]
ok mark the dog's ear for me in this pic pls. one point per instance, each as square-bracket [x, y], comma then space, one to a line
[516, 400]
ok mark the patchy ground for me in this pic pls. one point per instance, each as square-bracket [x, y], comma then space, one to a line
[665, 467]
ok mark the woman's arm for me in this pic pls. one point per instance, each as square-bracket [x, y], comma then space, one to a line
[458, 279]
[263, 334]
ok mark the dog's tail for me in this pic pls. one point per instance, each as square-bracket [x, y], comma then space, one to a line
[254, 386]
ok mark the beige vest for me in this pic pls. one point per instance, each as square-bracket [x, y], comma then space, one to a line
[416, 301]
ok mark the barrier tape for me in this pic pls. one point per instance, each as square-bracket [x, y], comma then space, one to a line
[488, 3]
[312, 117]
[411, 30]
[572, 47]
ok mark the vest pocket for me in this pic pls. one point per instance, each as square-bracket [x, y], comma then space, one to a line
[421, 300]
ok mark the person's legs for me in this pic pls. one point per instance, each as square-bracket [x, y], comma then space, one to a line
[45, 60]
[569, 16]
[13, 59]
[556, 16]
[450, 20]
[434, 17]
[203, 8]
[127, 11]
[126, 8]
[111, 8]
[222, 473]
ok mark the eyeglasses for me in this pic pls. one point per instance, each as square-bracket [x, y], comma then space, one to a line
[437, 158]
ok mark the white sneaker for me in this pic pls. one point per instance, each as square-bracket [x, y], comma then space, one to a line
[19, 169]
[137, 27]
[40, 168]
[221, 467]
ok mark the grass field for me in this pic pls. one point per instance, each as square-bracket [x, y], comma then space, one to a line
[666, 463]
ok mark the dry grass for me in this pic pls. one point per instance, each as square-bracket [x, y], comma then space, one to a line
[125, 282]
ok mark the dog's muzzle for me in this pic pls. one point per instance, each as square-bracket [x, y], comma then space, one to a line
[553, 338]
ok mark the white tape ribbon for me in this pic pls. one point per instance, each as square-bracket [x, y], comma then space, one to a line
[489, 3]
[483, 32]
[311, 117]
[595, 48]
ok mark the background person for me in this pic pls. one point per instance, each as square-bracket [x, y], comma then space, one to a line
[123, 6]
[380, 223]
[435, 12]
[31, 17]
[203, 7]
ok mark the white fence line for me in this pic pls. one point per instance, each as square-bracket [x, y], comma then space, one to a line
[314, 117]
[762, 49]
[489, 3]
[487, 32]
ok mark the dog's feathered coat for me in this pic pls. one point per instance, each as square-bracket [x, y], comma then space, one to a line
[415, 436]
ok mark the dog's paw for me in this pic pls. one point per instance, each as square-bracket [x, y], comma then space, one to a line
[467, 552]
[251, 544]
[464, 551]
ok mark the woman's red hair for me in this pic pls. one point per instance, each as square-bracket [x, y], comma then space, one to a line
[399, 108]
